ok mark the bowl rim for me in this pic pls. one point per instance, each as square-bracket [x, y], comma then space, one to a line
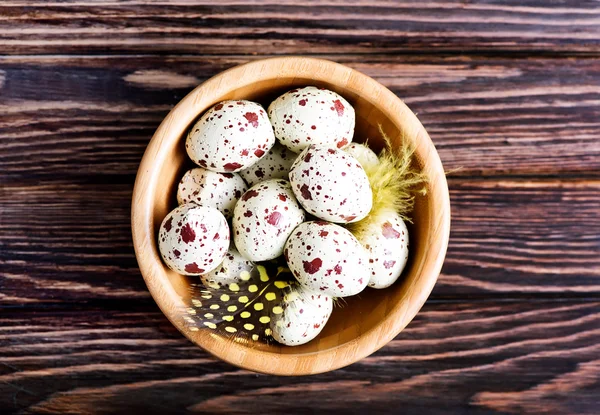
[201, 98]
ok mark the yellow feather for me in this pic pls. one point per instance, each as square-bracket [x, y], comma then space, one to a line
[394, 182]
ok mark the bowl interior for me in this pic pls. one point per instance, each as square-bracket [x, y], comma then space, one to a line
[380, 313]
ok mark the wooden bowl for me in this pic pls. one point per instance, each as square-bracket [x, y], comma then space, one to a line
[369, 320]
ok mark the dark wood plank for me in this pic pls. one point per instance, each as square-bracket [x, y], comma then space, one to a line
[470, 358]
[93, 117]
[523, 236]
[65, 243]
[291, 27]
[72, 243]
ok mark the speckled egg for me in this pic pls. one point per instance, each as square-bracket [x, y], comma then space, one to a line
[363, 154]
[386, 242]
[327, 258]
[263, 219]
[275, 164]
[231, 136]
[231, 270]
[193, 239]
[212, 189]
[301, 316]
[331, 185]
[311, 115]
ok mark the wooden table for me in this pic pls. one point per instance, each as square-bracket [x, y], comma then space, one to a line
[510, 96]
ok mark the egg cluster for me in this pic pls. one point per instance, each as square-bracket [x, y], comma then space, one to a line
[282, 183]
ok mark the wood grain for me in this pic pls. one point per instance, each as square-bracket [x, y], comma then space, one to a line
[523, 236]
[455, 358]
[64, 243]
[487, 116]
[290, 27]
[508, 93]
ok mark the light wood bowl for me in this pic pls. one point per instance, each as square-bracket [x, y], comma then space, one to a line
[369, 320]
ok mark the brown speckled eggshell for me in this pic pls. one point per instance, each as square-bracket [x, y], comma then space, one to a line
[275, 164]
[212, 189]
[331, 185]
[230, 136]
[263, 219]
[230, 271]
[327, 258]
[363, 154]
[302, 316]
[387, 246]
[311, 115]
[193, 239]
